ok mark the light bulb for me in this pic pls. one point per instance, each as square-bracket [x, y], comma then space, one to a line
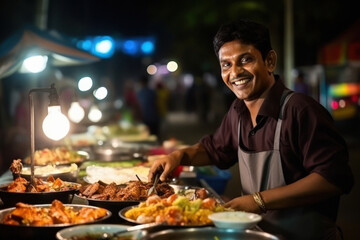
[55, 126]
[76, 112]
[34, 64]
[94, 114]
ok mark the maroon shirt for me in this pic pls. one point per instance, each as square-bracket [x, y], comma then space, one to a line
[309, 141]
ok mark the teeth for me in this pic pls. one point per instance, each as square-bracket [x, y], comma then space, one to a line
[240, 82]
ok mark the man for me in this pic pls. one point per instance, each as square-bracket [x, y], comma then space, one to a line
[293, 163]
[149, 111]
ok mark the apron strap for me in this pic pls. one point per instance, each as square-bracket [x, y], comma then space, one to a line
[286, 95]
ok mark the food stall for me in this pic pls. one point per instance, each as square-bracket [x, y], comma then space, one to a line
[97, 188]
[184, 206]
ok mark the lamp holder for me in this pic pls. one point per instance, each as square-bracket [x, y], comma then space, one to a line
[53, 96]
[54, 100]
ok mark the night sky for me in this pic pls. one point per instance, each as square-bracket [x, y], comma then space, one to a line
[184, 29]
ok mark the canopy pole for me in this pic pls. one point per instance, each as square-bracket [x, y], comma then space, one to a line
[288, 43]
[42, 14]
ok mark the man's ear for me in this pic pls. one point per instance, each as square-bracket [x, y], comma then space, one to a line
[270, 61]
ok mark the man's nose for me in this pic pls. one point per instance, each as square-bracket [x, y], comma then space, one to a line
[236, 70]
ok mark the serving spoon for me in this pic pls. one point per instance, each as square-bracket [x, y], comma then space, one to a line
[109, 236]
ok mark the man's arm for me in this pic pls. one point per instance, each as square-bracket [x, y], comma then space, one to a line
[308, 190]
[194, 155]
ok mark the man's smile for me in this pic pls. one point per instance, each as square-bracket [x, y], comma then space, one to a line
[241, 81]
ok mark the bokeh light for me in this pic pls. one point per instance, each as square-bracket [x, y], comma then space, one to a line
[100, 93]
[172, 66]
[151, 69]
[85, 84]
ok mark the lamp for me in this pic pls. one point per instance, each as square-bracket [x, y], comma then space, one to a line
[76, 112]
[94, 114]
[55, 125]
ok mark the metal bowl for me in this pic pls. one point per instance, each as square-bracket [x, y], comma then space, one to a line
[118, 207]
[111, 205]
[65, 173]
[81, 157]
[39, 232]
[210, 233]
[9, 199]
[96, 230]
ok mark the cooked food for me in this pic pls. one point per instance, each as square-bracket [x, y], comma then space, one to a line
[16, 167]
[59, 155]
[50, 169]
[131, 191]
[22, 185]
[175, 210]
[57, 213]
[51, 185]
[119, 175]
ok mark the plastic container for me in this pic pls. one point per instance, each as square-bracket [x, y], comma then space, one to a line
[215, 177]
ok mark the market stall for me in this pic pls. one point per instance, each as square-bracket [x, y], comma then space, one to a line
[191, 189]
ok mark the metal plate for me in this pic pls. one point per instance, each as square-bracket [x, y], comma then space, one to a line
[117, 205]
[124, 210]
[9, 199]
[83, 156]
[210, 233]
[39, 232]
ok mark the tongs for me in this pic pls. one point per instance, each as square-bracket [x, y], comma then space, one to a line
[153, 188]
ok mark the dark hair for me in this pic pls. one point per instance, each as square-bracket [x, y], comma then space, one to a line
[247, 32]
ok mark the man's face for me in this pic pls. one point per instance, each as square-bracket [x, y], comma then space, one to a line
[244, 71]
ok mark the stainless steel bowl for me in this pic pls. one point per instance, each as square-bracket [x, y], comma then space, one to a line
[9, 199]
[39, 232]
[65, 173]
[210, 233]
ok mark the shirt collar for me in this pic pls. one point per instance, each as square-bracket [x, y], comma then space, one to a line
[271, 104]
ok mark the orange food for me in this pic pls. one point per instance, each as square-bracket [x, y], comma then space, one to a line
[57, 213]
[20, 185]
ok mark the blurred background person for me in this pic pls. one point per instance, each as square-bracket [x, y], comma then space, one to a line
[131, 104]
[300, 85]
[148, 105]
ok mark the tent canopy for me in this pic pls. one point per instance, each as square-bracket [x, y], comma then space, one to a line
[31, 40]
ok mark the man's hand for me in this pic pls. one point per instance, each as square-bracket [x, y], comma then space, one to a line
[245, 203]
[165, 165]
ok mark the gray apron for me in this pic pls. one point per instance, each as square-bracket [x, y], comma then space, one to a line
[260, 171]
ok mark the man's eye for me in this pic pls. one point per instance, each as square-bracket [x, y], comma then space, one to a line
[245, 60]
[225, 65]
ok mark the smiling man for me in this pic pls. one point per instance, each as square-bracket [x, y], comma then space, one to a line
[293, 163]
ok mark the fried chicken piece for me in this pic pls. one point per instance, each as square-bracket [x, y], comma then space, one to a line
[50, 179]
[99, 196]
[201, 193]
[58, 183]
[57, 212]
[164, 190]
[91, 189]
[22, 211]
[16, 167]
[110, 190]
[18, 185]
[89, 214]
[42, 188]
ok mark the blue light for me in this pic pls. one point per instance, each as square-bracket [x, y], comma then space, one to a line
[130, 47]
[103, 46]
[147, 47]
[86, 44]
